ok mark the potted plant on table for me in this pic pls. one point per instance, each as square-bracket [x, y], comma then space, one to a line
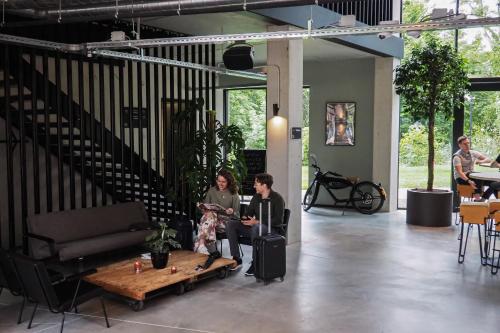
[431, 80]
[159, 243]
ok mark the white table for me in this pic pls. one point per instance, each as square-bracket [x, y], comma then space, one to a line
[491, 176]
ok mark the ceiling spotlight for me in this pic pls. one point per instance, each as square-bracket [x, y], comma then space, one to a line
[414, 33]
[347, 21]
[387, 34]
[439, 13]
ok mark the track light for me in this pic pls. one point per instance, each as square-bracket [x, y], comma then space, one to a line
[387, 34]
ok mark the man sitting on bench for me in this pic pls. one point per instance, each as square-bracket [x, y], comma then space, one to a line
[249, 225]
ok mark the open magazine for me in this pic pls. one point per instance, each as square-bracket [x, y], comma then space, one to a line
[213, 207]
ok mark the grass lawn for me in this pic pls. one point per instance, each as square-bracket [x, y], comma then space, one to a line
[305, 177]
[411, 177]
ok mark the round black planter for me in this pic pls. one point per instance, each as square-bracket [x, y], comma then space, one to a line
[159, 260]
[429, 209]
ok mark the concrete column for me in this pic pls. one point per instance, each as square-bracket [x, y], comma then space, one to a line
[396, 9]
[284, 87]
[386, 130]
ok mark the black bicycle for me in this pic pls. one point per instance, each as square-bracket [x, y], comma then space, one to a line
[366, 197]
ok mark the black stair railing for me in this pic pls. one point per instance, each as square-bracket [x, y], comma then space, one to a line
[89, 129]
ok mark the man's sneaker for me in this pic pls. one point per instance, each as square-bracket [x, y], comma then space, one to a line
[480, 200]
[239, 263]
[250, 271]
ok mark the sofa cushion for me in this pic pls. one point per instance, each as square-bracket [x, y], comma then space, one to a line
[84, 223]
[89, 246]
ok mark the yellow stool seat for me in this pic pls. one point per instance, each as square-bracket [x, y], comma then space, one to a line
[465, 191]
[474, 212]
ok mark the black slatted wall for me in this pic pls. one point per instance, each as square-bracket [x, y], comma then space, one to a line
[370, 12]
[83, 132]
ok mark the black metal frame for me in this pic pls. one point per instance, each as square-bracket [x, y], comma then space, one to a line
[461, 251]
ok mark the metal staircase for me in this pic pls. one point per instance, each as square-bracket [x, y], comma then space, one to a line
[79, 141]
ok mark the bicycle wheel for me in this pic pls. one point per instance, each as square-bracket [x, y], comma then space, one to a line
[310, 197]
[367, 198]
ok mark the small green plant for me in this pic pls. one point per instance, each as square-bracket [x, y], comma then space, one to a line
[162, 239]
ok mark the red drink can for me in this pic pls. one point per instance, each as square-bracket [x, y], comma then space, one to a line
[137, 267]
[173, 269]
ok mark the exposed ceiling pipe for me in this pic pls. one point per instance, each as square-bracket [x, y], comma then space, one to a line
[127, 9]
[296, 34]
[177, 63]
[78, 48]
[275, 35]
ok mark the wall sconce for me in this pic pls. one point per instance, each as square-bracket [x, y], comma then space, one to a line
[276, 122]
[276, 109]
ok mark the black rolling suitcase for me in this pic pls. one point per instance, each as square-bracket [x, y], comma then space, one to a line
[269, 252]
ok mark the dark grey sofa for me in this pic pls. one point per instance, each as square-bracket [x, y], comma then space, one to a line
[83, 232]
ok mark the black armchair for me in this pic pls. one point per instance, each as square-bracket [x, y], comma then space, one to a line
[60, 297]
[8, 279]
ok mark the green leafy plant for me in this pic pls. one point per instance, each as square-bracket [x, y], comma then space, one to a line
[431, 80]
[162, 239]
[211, 147]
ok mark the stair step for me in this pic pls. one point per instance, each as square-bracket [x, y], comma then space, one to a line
[76, 145]
[28, 105]
[88, 154]
[118, 175]
[88, 164]
[14, 91]
[52, 124]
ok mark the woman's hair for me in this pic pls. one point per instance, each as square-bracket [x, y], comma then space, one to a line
[231, 182]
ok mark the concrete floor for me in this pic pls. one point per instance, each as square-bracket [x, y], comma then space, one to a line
[351, 273]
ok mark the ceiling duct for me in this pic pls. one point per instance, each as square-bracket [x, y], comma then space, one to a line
[49, 10]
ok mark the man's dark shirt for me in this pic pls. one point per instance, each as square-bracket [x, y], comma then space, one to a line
[277, 208]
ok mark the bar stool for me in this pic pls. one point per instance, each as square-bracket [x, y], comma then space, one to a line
[466, 193]
[494, 207]
[494, 230]
[473, 213]
[495, 233]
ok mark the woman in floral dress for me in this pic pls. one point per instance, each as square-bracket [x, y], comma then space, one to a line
[225, 194]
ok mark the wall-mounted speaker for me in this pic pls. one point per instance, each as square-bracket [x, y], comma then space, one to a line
[239, 57]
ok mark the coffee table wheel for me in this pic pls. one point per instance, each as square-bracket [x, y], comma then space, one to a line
[180, 289]
[223, 273]
[189, 286]
[137, 305]
[282, 278]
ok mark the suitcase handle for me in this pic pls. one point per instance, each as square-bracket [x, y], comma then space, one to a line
[268, 216]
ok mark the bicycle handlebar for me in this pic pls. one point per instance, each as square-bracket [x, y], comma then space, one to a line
[334, 174]
[314, 165]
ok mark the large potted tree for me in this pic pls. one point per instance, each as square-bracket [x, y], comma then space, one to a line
[212, 146]
[431, 81]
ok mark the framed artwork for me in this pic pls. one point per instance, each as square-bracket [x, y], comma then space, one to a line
[340, 118]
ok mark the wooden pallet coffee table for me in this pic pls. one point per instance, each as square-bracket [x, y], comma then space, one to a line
[120, 278]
